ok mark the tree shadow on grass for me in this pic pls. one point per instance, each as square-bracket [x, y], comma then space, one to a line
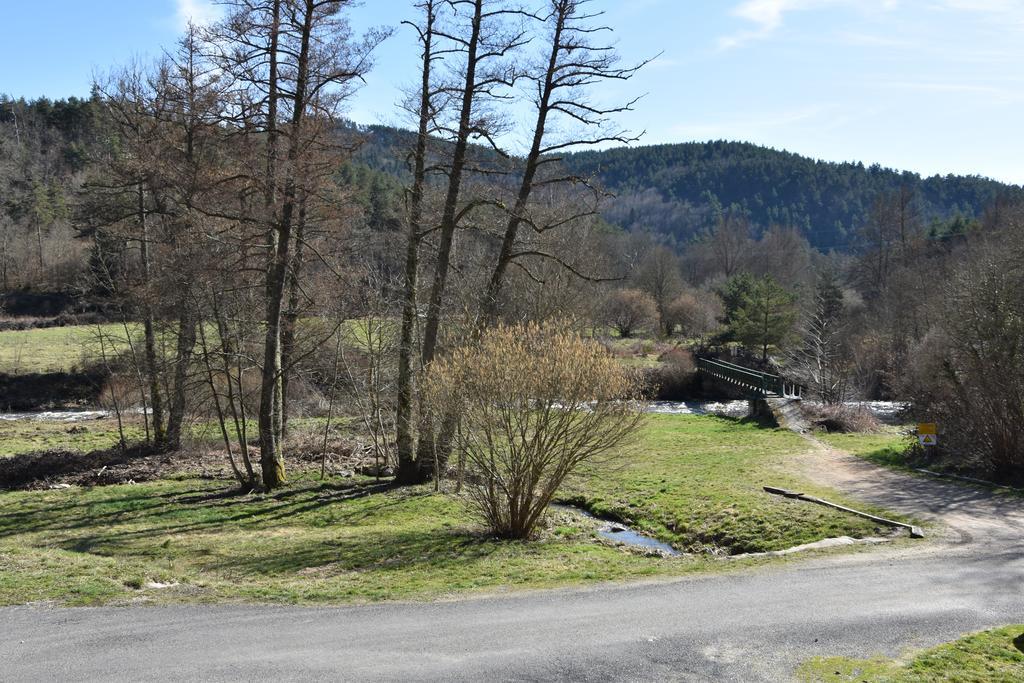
[29, 469]
[372, 550]
[1018, 642]
[179, 512]
[138, 532]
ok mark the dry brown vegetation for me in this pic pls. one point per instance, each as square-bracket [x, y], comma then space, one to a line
[534, 403]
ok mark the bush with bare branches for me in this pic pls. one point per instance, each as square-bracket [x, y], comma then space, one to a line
[967, 372]
[629, 311]
[534, 403]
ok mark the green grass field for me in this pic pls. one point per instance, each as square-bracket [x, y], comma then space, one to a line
[26, 436]
[325, 542]
[885, 448]
[55, 349]
[696, 482]
[995, 656]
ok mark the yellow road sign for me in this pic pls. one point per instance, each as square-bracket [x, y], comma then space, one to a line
[928, 439]
[927, 428]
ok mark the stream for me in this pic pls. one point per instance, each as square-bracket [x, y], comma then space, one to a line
[618, 532]
[56, 416]
[884, 411]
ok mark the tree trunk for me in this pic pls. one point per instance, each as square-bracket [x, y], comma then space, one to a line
[156, 402]
[39, 246]
[3, 260]
[405, 438]
[270, 461]
[426, 450]
[183, 357]
[291, 318]
[271, 389]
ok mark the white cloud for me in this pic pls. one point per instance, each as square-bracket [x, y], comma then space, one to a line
[992, 93]
[754, 125]
[663, 63]
[1002, 11]
[769, 15]
[200, 12]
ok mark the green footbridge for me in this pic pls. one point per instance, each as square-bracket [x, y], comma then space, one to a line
[753, 383]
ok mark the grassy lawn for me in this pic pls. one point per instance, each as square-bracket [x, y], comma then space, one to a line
[26, 436]
[639, 352]
[53, 349]
[313, 542]
[694, 481]
[995, 656]
[885, 448]
[59, 349]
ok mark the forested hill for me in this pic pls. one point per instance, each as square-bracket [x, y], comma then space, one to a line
[675, 189]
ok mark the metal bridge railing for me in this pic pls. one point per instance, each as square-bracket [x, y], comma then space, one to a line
[761, 384]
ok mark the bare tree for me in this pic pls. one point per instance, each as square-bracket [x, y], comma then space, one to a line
[695, 313]
[821, 360]
[487, 42]
[573, 66]
[294, 61]
[888, 238]
[629, 310]
[730, 242]
[659, 276]
[426, 111]
[119, 196]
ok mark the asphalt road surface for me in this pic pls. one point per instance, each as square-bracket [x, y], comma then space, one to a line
[747, 626]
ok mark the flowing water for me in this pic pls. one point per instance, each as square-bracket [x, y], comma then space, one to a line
[56, 416]
[886, 411]
[621, 534]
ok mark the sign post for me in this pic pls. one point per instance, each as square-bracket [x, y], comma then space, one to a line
[927, 434]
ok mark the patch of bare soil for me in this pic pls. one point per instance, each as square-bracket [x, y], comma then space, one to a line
[60, 468]
[972, 514]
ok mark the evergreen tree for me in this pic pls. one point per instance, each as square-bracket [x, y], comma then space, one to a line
[765, 315]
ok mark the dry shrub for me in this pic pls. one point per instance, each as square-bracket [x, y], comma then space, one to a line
[121, 391]
[629, 311]
[694, 313]
[534, 403]
[839, 417]
[967, 373]
[674, 378]
[680, 359]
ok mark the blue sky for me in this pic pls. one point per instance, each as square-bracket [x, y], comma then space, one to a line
[934, 86]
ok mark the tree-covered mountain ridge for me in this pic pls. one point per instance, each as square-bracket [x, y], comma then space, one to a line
[678, 189]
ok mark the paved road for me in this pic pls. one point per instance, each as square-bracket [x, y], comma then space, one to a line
[749, 626]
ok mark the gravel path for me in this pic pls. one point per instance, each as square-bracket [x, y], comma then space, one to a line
[965, 513]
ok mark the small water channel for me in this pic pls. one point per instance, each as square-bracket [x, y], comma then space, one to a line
[631, 537]
[618, 532]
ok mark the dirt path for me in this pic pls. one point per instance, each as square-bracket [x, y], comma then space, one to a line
[965, 513]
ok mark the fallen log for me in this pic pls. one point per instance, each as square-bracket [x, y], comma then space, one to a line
[915, 532]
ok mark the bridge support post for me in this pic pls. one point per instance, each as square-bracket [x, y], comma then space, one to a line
[759, 408]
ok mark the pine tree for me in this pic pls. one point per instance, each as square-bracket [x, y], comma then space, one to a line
[765, 316]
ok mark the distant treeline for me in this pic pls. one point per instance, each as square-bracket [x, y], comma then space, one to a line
[675, 192]
[679, 190]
